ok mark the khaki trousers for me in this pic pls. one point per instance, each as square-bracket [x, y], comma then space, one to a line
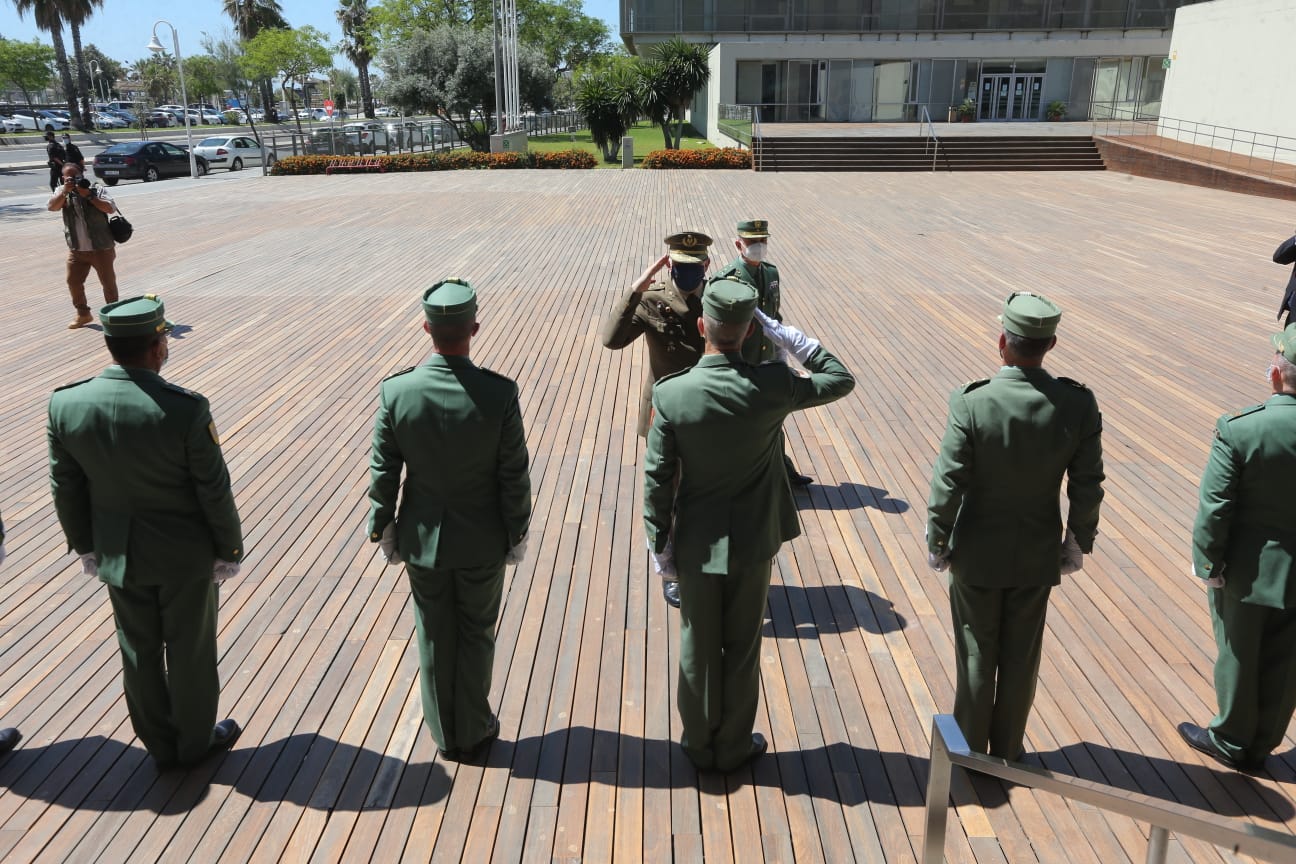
[78, 267]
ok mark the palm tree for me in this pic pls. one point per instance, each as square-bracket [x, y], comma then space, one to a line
[683, 71]
[76, 13]
[356, 46]
[49, 17]
[250, 17]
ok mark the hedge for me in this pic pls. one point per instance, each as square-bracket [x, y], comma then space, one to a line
[725, 157]
[452, 160]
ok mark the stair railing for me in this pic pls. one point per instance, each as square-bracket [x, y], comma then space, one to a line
[933, 140]
[758, 152]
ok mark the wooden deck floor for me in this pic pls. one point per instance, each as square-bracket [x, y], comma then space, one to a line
[297, 295]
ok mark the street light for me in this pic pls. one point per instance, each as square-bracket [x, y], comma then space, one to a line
[157, 48]
[96, 72]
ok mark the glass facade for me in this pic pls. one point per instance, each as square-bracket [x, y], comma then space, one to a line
[855, 16]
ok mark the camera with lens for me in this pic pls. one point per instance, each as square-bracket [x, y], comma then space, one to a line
[82, 183]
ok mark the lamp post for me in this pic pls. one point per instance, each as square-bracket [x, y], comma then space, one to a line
[95, 71]
[157, 48]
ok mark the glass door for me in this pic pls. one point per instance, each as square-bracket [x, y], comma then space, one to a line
[1010, 96]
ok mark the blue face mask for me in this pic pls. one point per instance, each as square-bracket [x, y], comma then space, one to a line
[688, 277]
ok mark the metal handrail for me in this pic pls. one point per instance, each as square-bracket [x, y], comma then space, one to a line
[758, 155]
[925, 117]
[1222, 139]
[950, 748]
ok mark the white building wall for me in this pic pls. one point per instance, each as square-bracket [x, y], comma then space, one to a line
[1233, 63]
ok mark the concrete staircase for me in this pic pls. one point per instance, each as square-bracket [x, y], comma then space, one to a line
[956, 153]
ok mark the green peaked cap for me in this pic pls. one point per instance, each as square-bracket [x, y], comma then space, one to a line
[136, 316]
[1285, 342]
[450, 301]
[1030, 315]
[729, 300]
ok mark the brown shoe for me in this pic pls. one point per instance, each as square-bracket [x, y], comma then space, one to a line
[81, 321]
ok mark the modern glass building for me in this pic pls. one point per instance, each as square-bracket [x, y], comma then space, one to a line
[884, 60]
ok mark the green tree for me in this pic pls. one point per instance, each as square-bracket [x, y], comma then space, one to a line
[250, 17]
[48, 16]
[77, 13]
[679, 71]
[357, 45]
[293, 55]
[606, 98]
[28, 66]
[204, 78]
[156, 74]
[450, 71]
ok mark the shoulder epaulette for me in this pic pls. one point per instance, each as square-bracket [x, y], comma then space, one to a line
[1072, 382]
[972, 385]
[494, 374]
[1244, 412]
[176, 388]
[73, 384]
[671, 375]
[401, 372]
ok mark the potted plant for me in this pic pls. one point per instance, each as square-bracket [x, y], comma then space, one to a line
[1056, 110]
[967, 110]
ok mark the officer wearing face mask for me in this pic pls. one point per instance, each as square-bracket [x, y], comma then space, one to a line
[751, 267]
[666, 314]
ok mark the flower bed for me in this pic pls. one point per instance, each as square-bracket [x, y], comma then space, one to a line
[726, 157]
[453, 160]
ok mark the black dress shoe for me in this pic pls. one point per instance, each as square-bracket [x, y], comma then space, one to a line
[758, 747]
[451, 755]
[478, 751]
[797, 479]
[224, 736]
[1200, 739]
[9, 739]
[670, 590]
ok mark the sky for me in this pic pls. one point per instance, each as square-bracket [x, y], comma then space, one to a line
[122, 28]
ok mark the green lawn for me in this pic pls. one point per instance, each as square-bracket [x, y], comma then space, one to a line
[646, 137]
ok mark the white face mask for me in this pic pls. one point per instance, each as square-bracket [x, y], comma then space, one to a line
[755, 251]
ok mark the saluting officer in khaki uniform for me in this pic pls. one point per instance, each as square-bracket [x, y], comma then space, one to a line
[10, 737]
[1244, 545]
[666, 315]
[456, 430]
[751, 267]
[995, 522]
[717, 507]
[143, 495]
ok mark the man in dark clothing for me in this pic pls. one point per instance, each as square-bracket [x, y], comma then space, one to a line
[74, 155]
[1286, 254]
[56, 156]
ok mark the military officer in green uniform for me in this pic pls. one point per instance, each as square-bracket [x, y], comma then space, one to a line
[1244, 546]
[995, 522]
[456, 430]
[10, 737]
[717, 507]
[751, 267]
[142, 492]
[666, 315]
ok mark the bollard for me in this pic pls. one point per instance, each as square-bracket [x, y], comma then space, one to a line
[627, 152]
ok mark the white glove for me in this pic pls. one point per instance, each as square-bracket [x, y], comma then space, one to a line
[664, 562]
[223, 570]
[788, 337]
[1072, 557]
[2, 553]
[89, 566]
[388, 544]
[939, 563]
[517, 553]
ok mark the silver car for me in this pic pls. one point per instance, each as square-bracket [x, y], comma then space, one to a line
[231, 151]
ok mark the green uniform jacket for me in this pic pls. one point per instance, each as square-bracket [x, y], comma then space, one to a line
[717, 429]
[457, 430]
[667, 319]
[764, 277]
[1246, 516]
[138, 478]
[994, 492]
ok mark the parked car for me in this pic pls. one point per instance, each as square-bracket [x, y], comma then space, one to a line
[232, 152]
[257, 115]
[145, 160]
[372, 136]
[129, 118]
[8, 124]
[234, 116]
[162, 118]
[40, 120]
[333, 142]
[409, 134]
[209, 116]
[104, 120]
[384, 112]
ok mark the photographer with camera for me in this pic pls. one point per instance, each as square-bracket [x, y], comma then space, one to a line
[86, 208]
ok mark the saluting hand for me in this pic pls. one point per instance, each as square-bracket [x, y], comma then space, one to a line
[646, 278]
[787, 337]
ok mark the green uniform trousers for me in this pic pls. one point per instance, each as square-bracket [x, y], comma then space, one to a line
[998, 637]
[1255, 676]
[454, 613]
[167, 636]
[721, 618]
